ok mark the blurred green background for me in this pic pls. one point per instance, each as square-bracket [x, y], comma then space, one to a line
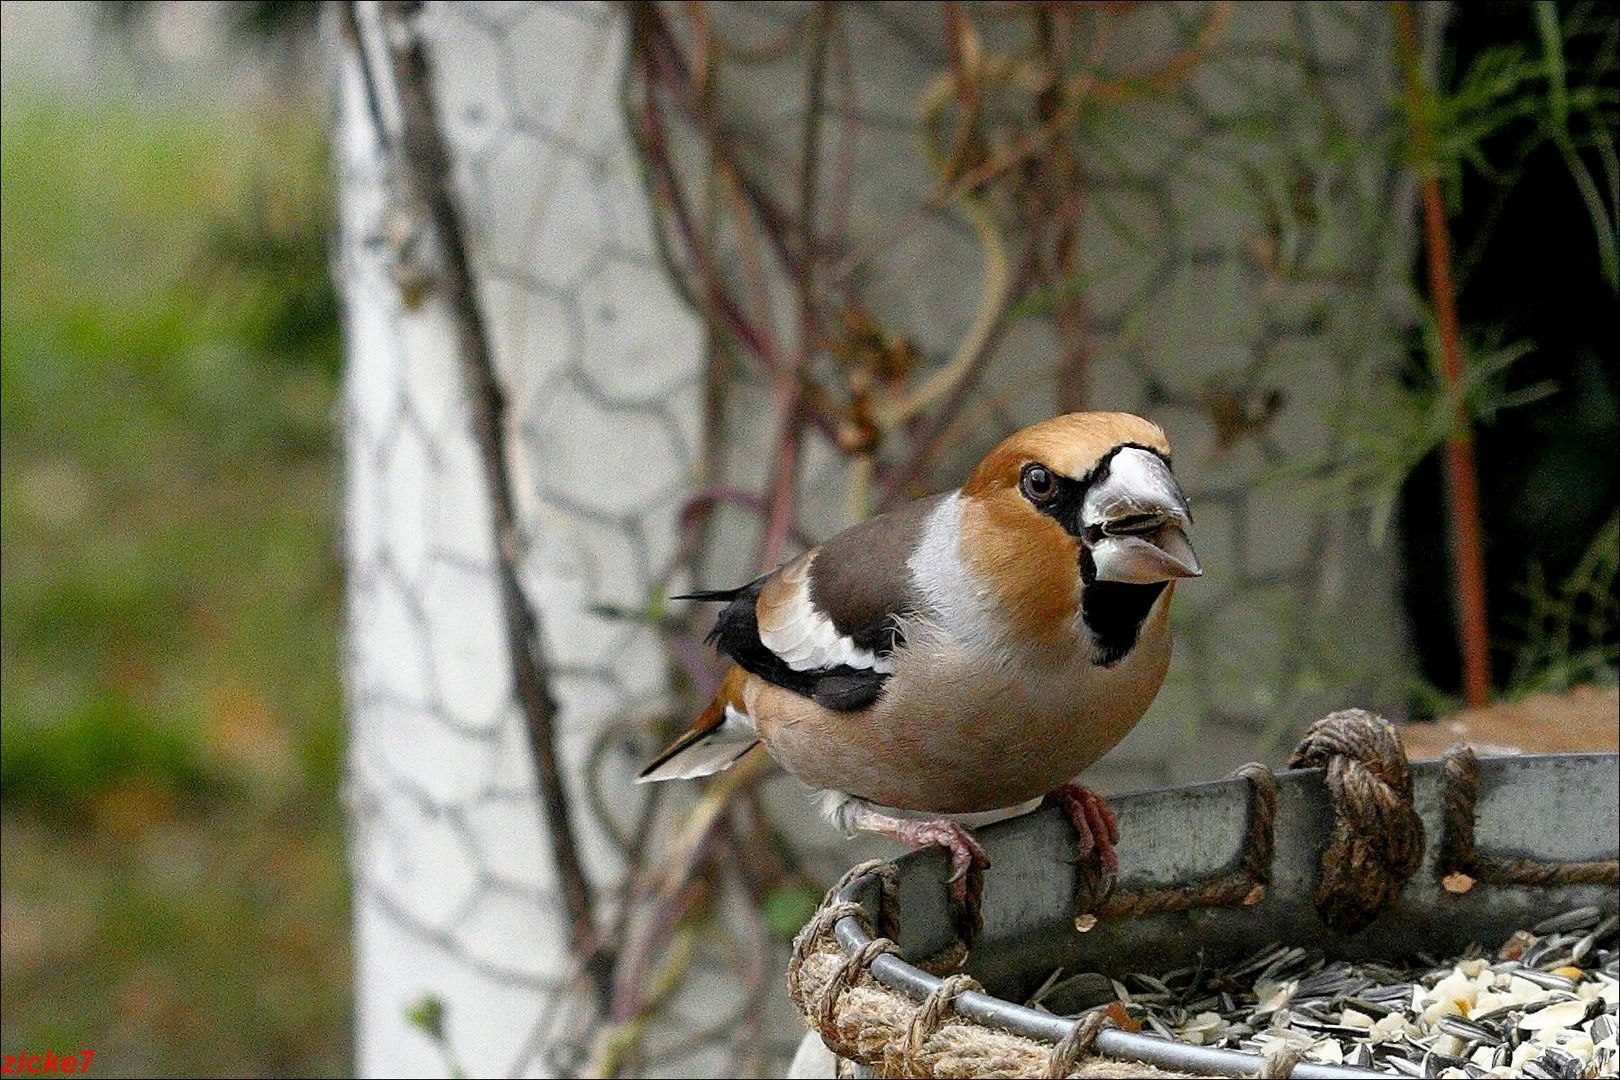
[173, 875]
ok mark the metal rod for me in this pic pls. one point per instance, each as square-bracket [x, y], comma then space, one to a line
[916, 984]
[1576, 790]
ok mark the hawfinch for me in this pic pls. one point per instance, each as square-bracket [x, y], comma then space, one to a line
[955, 661]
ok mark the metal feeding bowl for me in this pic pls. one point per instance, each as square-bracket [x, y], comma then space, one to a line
[1504, 842]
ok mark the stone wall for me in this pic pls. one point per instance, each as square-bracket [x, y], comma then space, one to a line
[1245, 258]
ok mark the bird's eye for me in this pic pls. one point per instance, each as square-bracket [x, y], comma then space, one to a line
[1038, 484]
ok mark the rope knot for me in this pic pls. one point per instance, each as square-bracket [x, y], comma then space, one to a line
[1377, 841]
[850, 968]
[1076, 1045]
[820, 927]
[930, 1014]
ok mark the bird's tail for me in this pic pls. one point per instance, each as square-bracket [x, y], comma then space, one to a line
[713, 595]
[723, 733]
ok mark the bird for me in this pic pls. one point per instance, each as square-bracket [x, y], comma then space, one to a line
[965, 657]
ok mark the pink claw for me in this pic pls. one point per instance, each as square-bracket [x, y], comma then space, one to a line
[964, 849]
[957, 840]
[959, 844]
[1095, 826]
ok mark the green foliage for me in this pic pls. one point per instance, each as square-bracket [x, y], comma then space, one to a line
[1523, 91]
[177, 948]
[1510, 104]
[272, 258]
[1563, 640]
[1581, 118]
[166, 523]
[1393, 428]
[655, 612]
[788, 907]
[104, 741]
[173, 882]
[426, 1015]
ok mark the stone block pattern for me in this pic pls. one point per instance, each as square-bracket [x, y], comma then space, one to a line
[1244, 254]
[1237, 240]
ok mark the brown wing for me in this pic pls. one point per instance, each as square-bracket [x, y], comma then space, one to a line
[861, 578]
[825, 624]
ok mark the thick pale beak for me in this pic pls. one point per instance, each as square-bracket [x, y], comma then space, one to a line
[1135, 522]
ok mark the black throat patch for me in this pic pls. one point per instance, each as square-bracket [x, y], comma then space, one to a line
[1113, 611]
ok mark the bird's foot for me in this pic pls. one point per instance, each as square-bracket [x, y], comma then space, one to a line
[1094, 824]
[965, 851]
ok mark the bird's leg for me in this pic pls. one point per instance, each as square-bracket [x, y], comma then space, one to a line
[959, 843]
[1094, 823]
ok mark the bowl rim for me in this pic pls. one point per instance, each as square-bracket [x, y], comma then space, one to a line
[900, 976]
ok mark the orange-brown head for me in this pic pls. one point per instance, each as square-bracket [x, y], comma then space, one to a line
[1078, 511]
[1071, 445]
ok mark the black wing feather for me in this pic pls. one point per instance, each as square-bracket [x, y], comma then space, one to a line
[712, 594]
[736, 634]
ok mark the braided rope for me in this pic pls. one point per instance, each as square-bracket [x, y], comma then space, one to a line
[1076, 1045]
[834, 908]
[870, 1024]
[1462, 864]
[1245, 885]
[1375, 847]
[844, 974]
[1377, 841]
[819, 928]
[933, 1010]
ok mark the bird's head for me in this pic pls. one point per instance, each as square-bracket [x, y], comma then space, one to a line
[1087, 494]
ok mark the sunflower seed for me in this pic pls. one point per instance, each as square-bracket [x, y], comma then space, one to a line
[1469, 1030]
[1405, 1067]
[1565, 1066]
[1159, 1027]
[1157, 986]
[1477, 1014]
[1577, 919]
[1435, 1064]
[1546, 979]
[1258, 961]
[1393, 994]
[1504, 1013]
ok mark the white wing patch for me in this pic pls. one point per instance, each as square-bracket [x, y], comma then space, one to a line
[804, 637]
